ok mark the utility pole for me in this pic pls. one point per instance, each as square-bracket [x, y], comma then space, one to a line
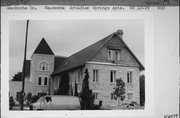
[23, 70]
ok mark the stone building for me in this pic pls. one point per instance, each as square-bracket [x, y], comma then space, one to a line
[106, 60]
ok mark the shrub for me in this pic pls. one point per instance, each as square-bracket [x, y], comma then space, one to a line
[28, 98]
[11, 102]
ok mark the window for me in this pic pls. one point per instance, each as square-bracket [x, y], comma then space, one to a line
[95, 76]
[42, 81]
[113, 55]
[129, 77]
[113, 100]
[117, 55]
[39, 81]
[43, 66]
[112, 76]
[45, 81]
[130, 96]
[96, 95]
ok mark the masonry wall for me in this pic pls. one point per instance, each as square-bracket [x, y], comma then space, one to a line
[104, 87]
[36, 72]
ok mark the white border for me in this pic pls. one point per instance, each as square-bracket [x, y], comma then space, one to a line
[149, 62]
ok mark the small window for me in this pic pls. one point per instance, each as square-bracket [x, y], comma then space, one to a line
[96, 95]
[95, 76]
[113, 100]
[112, 76]
[43, 66]
[130, 96]
[129, 77]
[39, 80]
[113, 55]
[45, 81]
[117, 57]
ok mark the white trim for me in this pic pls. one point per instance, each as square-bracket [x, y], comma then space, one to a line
[111, 64]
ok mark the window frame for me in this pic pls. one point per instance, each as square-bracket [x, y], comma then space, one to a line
[95, 75]
[130, 97]
[39, 83]
[96, 95]
[45, 78]
[113, 76]
[42, 81]
[114, 102]
[114, 55]
[129, 77]
[43, 66]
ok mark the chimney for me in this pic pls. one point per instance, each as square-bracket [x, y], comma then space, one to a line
[119, 33]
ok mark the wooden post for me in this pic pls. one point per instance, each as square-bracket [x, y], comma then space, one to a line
[24, 67]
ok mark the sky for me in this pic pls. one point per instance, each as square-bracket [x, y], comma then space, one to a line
[66, 37]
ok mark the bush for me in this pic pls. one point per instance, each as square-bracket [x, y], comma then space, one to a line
[11, 102]
[28, 98]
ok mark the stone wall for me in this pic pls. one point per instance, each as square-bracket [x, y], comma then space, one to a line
[36, 72]
[104, 87]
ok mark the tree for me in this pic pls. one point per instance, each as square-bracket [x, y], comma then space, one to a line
[11, 102]
[86, 94]
[17, 77]
[119, 92]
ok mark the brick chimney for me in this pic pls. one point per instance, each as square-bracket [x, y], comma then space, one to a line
[120, 33]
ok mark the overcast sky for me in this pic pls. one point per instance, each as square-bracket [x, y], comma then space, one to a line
[65, 37]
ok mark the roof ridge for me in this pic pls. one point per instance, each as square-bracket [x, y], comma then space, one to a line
[101, 45]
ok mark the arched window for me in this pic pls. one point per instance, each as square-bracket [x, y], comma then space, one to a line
[43, 66]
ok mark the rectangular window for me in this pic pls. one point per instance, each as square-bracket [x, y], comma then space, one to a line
[113, 55]
[39, 80]
[109, 55]
[112, 76]
[129, 77]
[96, 95]
[130, 96]
[113, 100]
[95, 76]
[117, 55]
[45, 81]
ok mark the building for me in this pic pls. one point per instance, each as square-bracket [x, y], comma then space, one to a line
[106, 60]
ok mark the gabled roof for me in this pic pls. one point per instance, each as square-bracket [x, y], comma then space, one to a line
[43, 48]
[80, 58]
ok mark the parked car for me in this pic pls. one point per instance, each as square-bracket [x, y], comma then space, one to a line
[56, 102]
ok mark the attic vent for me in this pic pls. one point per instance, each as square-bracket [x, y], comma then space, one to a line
[66, 63]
